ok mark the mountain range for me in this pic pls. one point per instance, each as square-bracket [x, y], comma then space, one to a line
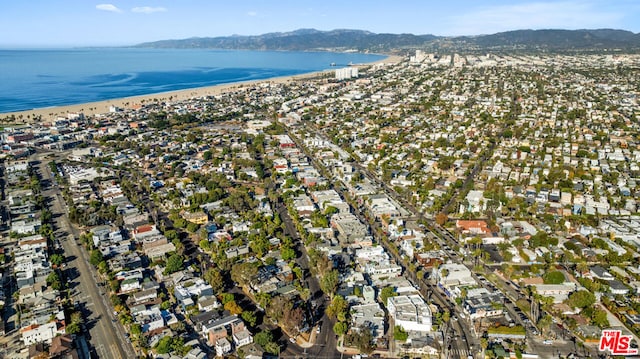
[359, 40]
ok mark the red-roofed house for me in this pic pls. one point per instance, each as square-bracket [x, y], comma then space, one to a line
[473, 227]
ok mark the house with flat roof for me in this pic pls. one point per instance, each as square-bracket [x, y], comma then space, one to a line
[411, 312]
[480, 303]
[450, 275]
[369, 316]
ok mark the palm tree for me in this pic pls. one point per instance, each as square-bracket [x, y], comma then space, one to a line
[544, 323]
[507, 270]
[582, 267]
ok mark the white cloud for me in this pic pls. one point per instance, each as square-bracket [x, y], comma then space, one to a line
[252, 13]
[148, 9]
[572, 14]
[108, 7]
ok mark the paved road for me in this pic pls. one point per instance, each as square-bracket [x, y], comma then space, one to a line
[325, 342]
[106, 336]
[465, 343]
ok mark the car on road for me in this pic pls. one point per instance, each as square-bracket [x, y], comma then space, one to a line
[292, 340]
[318, 330]
[547, 342]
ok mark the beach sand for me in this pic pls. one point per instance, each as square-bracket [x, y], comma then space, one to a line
[99, 107]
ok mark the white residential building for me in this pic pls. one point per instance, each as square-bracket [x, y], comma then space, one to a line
[411, 312]
[453, 274]
[370, 316]
[242, 337]
[39, 333]
[346, 73]
[476, 200]
[222, 347]
[559, 292]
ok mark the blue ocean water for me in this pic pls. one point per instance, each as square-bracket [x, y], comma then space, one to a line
[44, 78]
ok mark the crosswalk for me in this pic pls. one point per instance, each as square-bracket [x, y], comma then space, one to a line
[459, 353]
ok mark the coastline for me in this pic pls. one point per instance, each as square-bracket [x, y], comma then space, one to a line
[99, 107]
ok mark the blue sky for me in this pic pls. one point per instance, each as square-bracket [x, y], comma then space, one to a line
[61, 23]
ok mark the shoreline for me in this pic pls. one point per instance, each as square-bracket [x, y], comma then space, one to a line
[99, 107]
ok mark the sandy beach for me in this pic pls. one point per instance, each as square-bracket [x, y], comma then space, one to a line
[93, 108]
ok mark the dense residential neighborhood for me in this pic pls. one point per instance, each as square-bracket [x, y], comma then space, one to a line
[464, 206]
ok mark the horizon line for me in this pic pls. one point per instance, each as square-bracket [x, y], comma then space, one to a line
[80, 46]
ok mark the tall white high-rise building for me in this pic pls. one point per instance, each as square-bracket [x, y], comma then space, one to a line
[346, 73]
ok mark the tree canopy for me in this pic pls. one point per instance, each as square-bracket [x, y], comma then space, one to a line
[174, 264]
[581, 299]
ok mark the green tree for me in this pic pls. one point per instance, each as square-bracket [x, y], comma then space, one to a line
[249, 317]
[338, 308]
[599, 318]
[205, 245]
[115, 300]
[287, 253]
[484, 343]
[340, 328]
[165, 305]
[103, 267]
[259, 245]
[171, 234]
[263, 338]
[545, 322]
[362, 339]
[243, 273]
[214, 277]
[330, 210]
[386, 293]
[174, 264]
[400, 334]
[179, 327]
[54, 281]
[136, 329]
[278, 307]
[192, 227]
[581, 299]
[226, 298]
[95, 257]
[263, 299]
[329, 282]
[164, 345]
[272, 347]
[114, 284]
[233, 307]
[73, 328]
[56, 259]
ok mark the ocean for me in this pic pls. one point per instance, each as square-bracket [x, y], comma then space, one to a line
[32, 79]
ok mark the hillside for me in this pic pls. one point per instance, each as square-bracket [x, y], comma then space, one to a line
[359, 40]
[301, 40]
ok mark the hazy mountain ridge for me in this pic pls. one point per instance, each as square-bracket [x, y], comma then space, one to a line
[346, 39]
[561, 39]
[300, 40]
